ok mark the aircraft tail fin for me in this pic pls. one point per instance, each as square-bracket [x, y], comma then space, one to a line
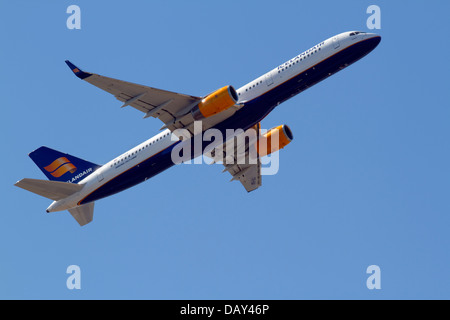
[58, 166]
[54, 190]
[83, 214]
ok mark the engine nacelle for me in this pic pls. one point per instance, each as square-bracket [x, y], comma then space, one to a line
[273, 140]
[215, 102]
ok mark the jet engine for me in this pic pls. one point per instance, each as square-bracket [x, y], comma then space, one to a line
[218, 101]
[273, 140]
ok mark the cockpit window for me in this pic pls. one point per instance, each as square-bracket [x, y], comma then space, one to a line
[356, 32]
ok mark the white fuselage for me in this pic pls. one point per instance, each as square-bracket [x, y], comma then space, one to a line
[246, 93]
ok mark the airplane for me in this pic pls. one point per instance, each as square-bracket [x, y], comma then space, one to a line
[75, 184]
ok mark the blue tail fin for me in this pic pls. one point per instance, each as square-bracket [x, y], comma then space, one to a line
[58, 166]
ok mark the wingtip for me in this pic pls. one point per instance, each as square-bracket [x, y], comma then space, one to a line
[70, 64]
[77, 71]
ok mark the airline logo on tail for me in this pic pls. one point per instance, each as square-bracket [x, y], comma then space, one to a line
[60, 166]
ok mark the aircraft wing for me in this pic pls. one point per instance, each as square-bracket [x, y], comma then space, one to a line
[249, 175]
[169, 107]
[240, 159]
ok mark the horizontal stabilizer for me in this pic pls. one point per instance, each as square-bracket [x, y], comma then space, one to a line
[54, 190]
[83, 214]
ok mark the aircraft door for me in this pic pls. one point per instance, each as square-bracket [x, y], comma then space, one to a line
[336, 43]
[269, 79]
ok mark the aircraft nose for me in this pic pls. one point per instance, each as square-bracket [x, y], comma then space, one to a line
[376, 38]
[373, 39]
[373, 36]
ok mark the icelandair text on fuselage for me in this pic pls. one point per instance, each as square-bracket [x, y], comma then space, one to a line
[81, 174]
[239, 309]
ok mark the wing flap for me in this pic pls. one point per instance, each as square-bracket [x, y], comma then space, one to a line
[241, 160]
[249, 175]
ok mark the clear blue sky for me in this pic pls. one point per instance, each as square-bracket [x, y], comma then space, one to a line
[365, 182]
